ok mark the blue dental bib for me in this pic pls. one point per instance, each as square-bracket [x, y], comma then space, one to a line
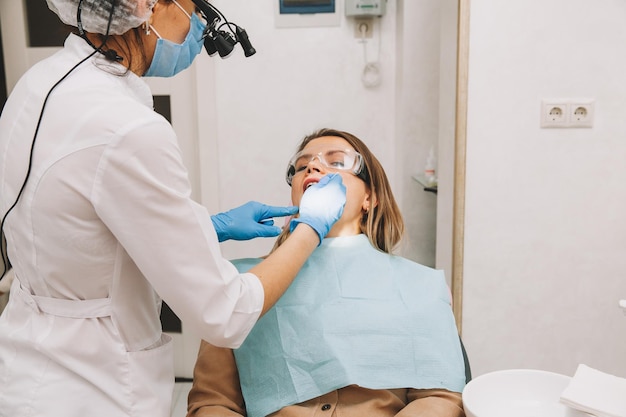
[353, 315]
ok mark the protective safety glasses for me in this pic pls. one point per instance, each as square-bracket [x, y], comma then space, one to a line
[335, 159]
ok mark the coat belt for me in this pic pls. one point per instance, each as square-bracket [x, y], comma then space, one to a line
[77, 309]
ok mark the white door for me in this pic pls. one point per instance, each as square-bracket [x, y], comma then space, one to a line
[180, 98]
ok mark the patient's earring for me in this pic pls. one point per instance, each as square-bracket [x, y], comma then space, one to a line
[366, 204]
[146, 27]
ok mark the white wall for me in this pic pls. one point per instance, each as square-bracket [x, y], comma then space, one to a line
[446, 132]
[302, 79]
[545, 231]
[417, 120]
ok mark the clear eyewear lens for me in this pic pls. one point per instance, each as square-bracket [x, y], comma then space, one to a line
[334, 159]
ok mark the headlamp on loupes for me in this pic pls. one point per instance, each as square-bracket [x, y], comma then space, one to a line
[222, 38]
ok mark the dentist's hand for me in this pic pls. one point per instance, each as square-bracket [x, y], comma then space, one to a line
[251, 220]
[322, 205]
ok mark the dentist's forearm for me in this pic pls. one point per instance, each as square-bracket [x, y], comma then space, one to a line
[280, 268]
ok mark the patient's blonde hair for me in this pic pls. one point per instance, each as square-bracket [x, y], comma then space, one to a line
[383, 223]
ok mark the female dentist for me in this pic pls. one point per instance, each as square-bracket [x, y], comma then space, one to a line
[100, 225]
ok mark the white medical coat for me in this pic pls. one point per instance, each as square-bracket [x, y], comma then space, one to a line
[104, 228]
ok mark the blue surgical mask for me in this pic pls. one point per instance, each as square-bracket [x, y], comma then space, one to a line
[170, 58]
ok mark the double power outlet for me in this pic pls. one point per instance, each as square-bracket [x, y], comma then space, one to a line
[567, 113]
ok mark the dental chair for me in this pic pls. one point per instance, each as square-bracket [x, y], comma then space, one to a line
[468, 369]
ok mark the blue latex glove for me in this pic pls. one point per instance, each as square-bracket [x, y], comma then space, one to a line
[322, 205]
[249, 221]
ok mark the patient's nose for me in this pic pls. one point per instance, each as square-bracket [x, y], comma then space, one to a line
[315, 165]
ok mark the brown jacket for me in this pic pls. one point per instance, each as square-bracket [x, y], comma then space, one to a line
[216, 393]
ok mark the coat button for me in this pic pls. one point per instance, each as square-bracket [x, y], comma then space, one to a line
[326, 407]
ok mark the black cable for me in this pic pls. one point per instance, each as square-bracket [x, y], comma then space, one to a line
[206, 7]
[5, 255]
[4, 250]
[219, 13]
[110, 54]
[211, 25]
[226, 23]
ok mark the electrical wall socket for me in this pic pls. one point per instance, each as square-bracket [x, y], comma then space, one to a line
[363, 27]
[581, 113]
[567, 113]
[554, 113]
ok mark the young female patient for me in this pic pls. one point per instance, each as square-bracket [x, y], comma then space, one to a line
[359, 333]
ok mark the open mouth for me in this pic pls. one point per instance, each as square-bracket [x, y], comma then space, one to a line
[309, 182]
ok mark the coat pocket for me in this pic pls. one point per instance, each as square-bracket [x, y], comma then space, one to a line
[152, 379]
